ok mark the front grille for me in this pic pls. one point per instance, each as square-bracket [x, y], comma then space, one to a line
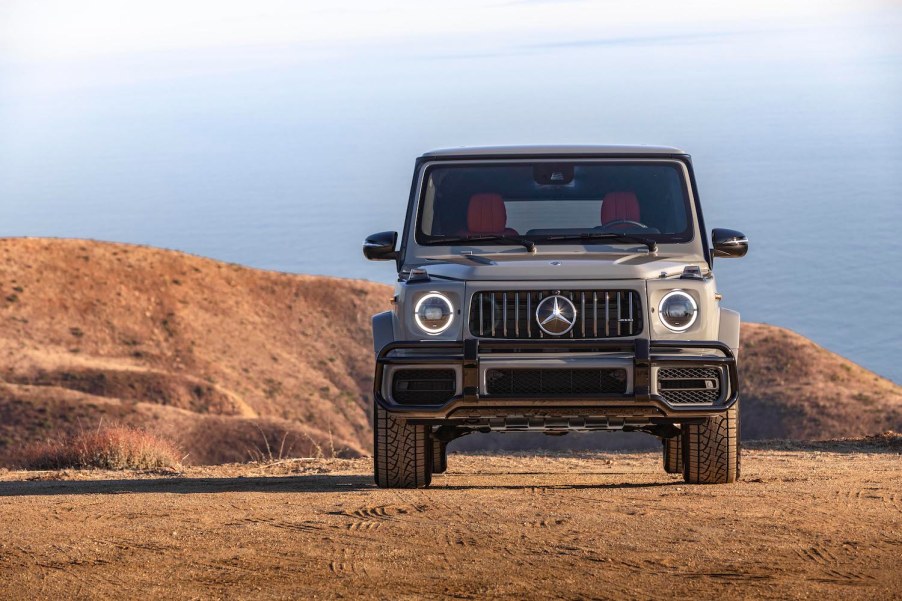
[423, 386]
[599, 314]
[690, 385]
[515, 382]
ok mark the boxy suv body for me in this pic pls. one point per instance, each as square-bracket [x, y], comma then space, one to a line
[555, 289]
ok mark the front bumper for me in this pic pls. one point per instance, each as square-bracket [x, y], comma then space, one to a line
[640, 403]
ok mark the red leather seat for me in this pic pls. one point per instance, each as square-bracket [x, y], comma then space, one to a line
[486, 215]
[619, 206]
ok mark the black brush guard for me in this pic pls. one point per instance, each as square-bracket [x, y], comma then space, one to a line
[645, 354]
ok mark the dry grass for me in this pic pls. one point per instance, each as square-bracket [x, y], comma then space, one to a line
[889, 439]
[109, 448]
[293, 444]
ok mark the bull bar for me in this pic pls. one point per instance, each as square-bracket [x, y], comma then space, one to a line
[645, 354]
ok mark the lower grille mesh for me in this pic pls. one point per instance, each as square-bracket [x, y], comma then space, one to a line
[689, 385]
[515, 382]
[423, 386]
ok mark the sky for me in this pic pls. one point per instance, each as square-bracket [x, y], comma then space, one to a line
[62, 30]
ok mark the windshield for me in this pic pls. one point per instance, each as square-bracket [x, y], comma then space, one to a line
[554, 202]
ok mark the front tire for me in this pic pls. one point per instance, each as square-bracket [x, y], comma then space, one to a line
[439, 456]
[673, 455]
[711, 449]
[402, 452]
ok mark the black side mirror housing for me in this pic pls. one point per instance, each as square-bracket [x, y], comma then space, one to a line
[381, 246]
[729, 243]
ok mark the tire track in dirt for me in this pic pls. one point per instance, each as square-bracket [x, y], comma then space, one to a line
[362, 526]
[347, 562]
[817, 554]
[305, 526]
[830, 567]
[371, 512]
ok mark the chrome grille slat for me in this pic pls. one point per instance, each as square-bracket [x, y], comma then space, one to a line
[618, 314]
[516, 314]
[515, 317]
[493, 314]
[481, 318]
[539, 330]
[504, 313]
[595, 312]
[631, 312]
[607, 314]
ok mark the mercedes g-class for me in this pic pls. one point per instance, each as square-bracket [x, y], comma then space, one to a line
[555, 289]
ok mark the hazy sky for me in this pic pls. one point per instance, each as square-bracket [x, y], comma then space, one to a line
[40, 30]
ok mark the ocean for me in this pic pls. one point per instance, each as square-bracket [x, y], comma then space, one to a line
[284, 158]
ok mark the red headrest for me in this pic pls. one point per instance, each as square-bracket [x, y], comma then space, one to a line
[619, 205]
[486, 214]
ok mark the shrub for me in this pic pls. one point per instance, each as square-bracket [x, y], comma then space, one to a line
[110, 448]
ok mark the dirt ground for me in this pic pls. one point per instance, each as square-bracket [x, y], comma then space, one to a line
[803, 523]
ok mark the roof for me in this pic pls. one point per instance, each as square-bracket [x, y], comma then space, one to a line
[552, 150]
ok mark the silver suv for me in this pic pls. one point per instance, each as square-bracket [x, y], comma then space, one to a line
[555, 289]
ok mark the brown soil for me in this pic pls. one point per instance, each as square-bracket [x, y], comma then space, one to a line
[231, 363]
[807, 521]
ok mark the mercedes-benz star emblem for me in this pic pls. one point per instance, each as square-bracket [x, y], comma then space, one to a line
[556, 315]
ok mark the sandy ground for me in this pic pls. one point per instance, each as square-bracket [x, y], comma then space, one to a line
[802, 523]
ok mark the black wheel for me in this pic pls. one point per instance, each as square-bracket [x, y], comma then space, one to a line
[711, 449]
[673, 455]
[439, 456]
[402, 453]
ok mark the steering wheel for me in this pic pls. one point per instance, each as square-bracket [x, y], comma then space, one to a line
[620, 222]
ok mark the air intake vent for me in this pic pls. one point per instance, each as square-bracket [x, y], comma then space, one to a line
[423, 386]
[690, 385]
[511, 314]
[525, 382]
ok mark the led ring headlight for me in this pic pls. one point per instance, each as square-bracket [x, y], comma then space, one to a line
[434, 313]
[678, 311]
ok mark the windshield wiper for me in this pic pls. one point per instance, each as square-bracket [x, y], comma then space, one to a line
[527, 244]
[589, 236]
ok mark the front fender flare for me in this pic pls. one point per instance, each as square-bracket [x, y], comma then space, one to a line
[728, 332]
[383, 330]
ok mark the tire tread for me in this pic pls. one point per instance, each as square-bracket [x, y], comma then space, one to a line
[402, 452]
[439, 456]
[673, 455]
[711, 451]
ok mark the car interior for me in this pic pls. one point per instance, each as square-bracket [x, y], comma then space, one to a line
[541, 200]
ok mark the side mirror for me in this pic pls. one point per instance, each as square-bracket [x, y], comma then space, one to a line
[381, 246]
[729, 243]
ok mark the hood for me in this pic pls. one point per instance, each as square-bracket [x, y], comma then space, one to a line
[577, 267]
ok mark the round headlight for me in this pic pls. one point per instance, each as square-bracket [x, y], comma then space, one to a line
[678, 311]
[434, 313]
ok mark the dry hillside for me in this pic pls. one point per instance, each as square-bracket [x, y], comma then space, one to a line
[212, 355]
[793, 388]
[222, 358]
